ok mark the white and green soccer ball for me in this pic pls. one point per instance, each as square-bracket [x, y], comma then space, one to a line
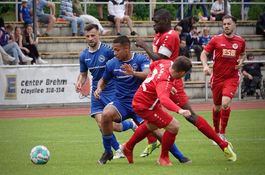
[40, 155]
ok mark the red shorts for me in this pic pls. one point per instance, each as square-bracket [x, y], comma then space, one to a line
[226, 87]
[157, 116]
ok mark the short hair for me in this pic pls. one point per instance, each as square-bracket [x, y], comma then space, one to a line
[182, 63]
[163, 14]
[9, 27]
[91, 26]
[123, 40]
[250, 55]
[229, 17]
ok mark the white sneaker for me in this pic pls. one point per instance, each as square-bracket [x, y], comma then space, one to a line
[118, 154]
[41, 61]
[26, 59]
[9, 58]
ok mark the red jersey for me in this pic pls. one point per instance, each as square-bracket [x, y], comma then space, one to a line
[156, 87]
[167, 44]
[226, 52]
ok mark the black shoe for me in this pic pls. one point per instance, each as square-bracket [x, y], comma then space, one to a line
[185, 160]
[133, 33]
[105, 157]
[118, 34]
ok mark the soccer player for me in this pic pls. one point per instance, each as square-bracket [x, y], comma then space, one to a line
[228, 55]
[148, 102]
[94, 59]
[128, 70]
[166, 46]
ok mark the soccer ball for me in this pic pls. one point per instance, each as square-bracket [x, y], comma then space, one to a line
[39, 155]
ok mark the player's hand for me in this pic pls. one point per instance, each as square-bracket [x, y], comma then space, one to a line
[140, 43]
[250, 77]
[173, 91]
[97, 93]
[78, 86]
[207, 70]
[127, 69]
[185, 113]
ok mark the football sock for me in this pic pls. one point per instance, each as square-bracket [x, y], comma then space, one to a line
[176, 152]
[207, 130]
[107, 143]
[114, 143]
[127, 124]
[225, 113]
[140, 133]
[216, 120]
[168, 140]
[151, 139]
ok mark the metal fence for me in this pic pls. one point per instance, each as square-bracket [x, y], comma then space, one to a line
[152, 4]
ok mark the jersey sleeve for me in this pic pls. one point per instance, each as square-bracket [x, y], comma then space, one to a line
[170, 43]
[83, 67]
[145, 63]
[163, 90]
[210, 46]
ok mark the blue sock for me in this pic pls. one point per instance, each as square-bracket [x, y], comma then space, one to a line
[176, 152]
[107, 143]
[126, 125]
[114, 143]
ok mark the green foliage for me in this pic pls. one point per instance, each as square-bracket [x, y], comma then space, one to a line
[75, 146]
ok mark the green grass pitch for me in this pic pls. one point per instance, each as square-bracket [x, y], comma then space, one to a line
[75, 146]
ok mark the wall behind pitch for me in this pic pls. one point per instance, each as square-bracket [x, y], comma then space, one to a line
[39, 84]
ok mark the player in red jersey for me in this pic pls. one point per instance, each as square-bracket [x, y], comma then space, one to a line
[156, 86]
[228, 55]
[168, 50]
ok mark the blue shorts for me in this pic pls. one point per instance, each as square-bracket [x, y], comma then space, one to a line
[125, 111]
[97, 106]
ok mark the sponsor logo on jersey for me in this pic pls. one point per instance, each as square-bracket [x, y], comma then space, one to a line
[228, 53]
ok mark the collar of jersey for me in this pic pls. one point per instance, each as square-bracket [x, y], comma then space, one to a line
[94, 50]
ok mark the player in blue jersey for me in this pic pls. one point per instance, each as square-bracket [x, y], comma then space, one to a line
[94, 59]
[128, 70]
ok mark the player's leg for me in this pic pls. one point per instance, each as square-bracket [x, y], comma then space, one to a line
[152, 145]
[109, 115]
[229, 89]
[168, 140]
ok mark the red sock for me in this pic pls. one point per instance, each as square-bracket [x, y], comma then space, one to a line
[225, 113]
[208, 131]
[151, 139]
[168, 140]
[140, 133]
[216, 120]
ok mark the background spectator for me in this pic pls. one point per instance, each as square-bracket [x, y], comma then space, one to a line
[260, 25]
[77, 9]
[246, 9]
[204, 39]
[5, 58]
[67, 14]
[184, 51]
[100, 9]
[218, 11]
[192, 41]
[252, 77]
[24, 14]
[30, 42]
[116, 9]
[42, 17]
[11, 47]
[186, 24]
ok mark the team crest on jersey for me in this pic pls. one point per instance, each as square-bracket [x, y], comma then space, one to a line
[101, 58]
[134, 65]
[235, 46]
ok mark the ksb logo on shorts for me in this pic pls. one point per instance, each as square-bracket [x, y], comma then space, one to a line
[11, 88]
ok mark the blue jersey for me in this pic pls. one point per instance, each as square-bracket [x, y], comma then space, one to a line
[126, 85]
[95, 62]
[25, 11]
